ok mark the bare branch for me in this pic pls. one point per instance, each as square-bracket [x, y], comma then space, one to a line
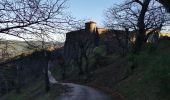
[138, 1]
[29, 16]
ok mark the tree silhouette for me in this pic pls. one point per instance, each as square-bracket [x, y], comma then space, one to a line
[139, 16]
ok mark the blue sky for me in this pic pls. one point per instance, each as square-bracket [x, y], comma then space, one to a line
[90, 9]
[84, 9]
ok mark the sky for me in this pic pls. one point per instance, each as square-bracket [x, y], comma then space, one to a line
[90, 9]
[93, 10]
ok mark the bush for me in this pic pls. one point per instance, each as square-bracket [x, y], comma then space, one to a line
[100, 51]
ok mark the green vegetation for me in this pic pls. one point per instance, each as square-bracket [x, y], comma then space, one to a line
[150, 75]
[145, 76]
[37, 92]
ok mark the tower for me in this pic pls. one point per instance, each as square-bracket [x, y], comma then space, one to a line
[90, 26]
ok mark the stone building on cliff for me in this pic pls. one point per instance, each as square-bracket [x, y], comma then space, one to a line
[87, 39]
[115, 41]
[79, 41]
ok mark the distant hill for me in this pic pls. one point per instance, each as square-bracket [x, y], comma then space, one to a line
[11, 48]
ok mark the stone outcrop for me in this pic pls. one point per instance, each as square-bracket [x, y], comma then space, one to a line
[22, 70]
[76, 41]
[89, 38]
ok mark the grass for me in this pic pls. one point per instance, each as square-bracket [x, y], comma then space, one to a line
[36, 91]
[148, 73]
[150, 78]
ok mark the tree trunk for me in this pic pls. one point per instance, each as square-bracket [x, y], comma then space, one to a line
[87, 65]
[141, 36]
[126, 42]
[140, 41]
[63, 72]
[18, 85]
[79, 63]
[47, 83]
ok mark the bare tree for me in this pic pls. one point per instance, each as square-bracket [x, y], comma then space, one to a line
[24, 18]
[27, 18]
[138, 16]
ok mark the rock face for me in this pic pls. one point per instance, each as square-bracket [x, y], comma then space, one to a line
[22, 71]
[81, 40]
[113, 40]
[25, 69]
[89, 38]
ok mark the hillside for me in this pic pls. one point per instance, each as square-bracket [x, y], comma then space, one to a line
[65, 50]
[36, 92]
[147, 78]
[150, 77]
[134, 77]
[11, 48]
